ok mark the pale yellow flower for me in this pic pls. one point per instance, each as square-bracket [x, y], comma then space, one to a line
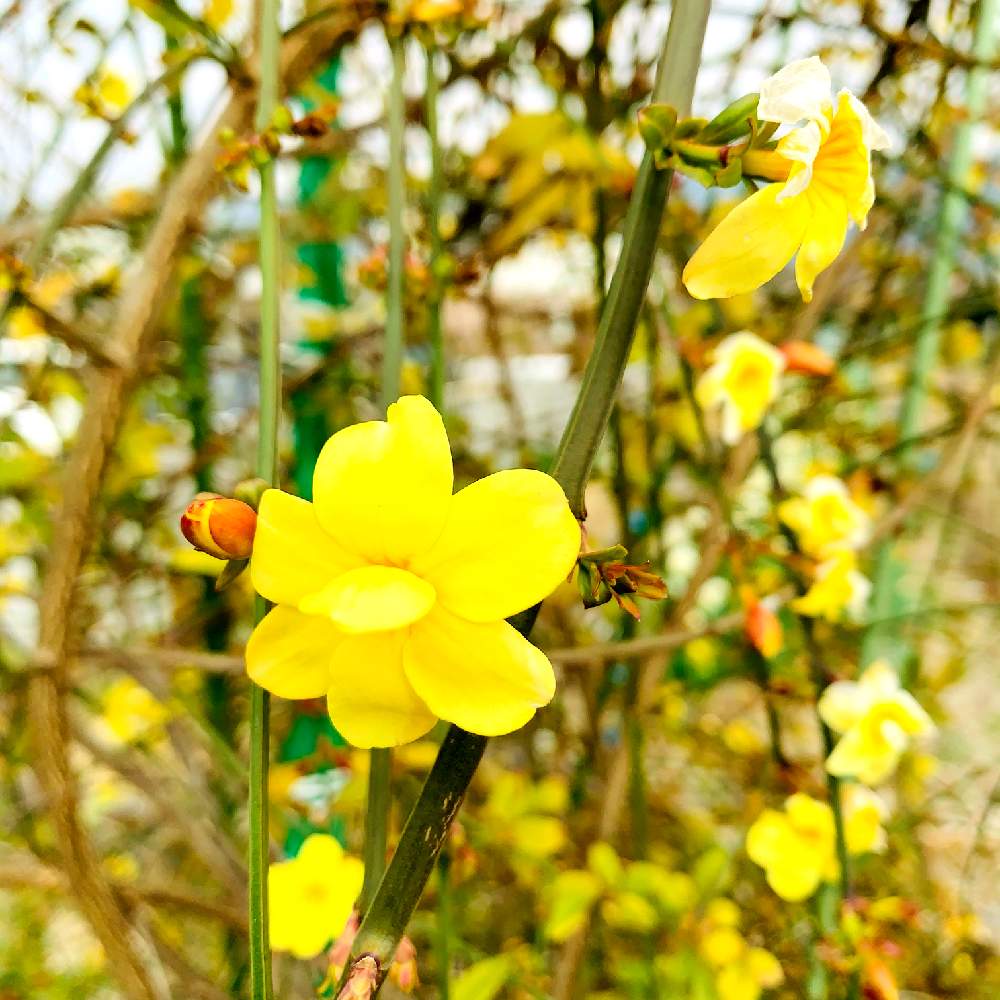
[825, 519]
[822, 170]
[391, 593]
[838, 589]
[864, 813]
[743, 381]
[876, 719]
[312, 895]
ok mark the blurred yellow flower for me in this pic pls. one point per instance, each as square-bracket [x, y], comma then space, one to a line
[391, 593]
[797, 847]
[838, 589]
[312, 896]
[864, 813]
[429, 11]
[824, 180]
[876, 719]
[825, 518]
[131, 712]
[743, 381]
[24, 322]
[741, 972]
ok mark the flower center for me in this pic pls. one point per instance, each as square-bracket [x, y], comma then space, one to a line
[372, 599]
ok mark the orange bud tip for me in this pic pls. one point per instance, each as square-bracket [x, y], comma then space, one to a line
[763, 629]
[804, 358]
[220, 526]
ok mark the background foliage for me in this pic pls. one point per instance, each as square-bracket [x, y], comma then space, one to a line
[601, 851]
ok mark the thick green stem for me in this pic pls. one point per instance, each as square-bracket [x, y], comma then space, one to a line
[952, 213]
[674, 86]
[403, 883]
[392, 360]
[435, 336]
[267, 461]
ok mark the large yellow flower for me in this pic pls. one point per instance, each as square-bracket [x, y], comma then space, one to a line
[743, 380]
[824, 179]
[392, 593]
[876, 718]
[797, 847]
[312, 895]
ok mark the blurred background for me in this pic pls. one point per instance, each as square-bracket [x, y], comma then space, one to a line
[130, 285]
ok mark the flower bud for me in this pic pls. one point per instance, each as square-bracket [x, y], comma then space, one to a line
[763, 629]
[220, 526]
[804, 358]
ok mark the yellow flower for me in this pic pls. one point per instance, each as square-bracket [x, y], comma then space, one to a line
[743, 381]
[825, 518]
[131, 712]
[876, 719]
[429, 11]
[824, 179]
[391, 593]
[795, 848]
[312, 896]
[838, 588]
[864, 812]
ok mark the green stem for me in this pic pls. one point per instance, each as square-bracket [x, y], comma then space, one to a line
[267, 460]
[435, 336]
[380, 760]
[392, 360]
[444, 920]
[674, 86]
[376, 823]
[952, 213]
[423, 836]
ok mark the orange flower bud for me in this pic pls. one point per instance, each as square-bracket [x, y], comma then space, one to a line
[763, 629]
[804, 358]
[220, 526]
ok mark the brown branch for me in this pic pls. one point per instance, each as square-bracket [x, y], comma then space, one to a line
[24, 873]
[131, 336]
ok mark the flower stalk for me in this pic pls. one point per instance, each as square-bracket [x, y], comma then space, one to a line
[435, 336]
[267, 460]
[380, 759]
[674, 86]
[386, 918]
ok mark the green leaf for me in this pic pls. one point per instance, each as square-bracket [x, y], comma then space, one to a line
[484, 980]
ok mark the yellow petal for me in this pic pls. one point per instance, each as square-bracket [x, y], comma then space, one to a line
[824, 236]
[486, 678]
[289, 653]
[767, 838]
[841, 705]
[795, 879]
[870, 761]
[371, 702]
[749, 247]
[510, 540]
[292, 555]
[382, 488]
[372, 599]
